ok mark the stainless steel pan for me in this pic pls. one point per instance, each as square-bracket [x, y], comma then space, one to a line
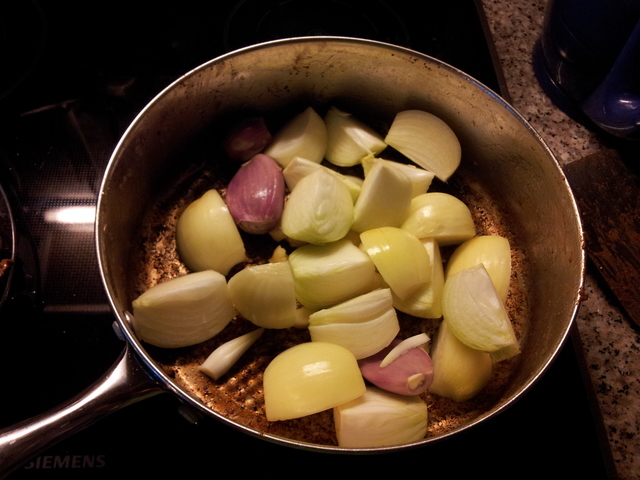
[506, 166]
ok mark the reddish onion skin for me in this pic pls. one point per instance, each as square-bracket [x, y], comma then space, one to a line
[394, 377]
[246, 139]
[255, 195]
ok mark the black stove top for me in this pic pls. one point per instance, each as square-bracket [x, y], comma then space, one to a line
[74, 76]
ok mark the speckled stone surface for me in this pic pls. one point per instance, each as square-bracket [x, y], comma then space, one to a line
[611, 342]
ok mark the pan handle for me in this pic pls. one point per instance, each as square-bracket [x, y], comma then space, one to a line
[126, 382]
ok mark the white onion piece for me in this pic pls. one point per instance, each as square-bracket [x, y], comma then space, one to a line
[264, 294]
[403, 346]
[426, 302]
[207, 237]
[426, 140]
[325, 275]
[421, 179]
[384, 200]
[246, 139]
[459, 372]
[493, 251]
[349, 140]
[364, 325]
[300, 167]
[441, 216]
[476, 315]
[255, 195]
[183, 311]
[319, 210]
[226, 355]
[400, 258]
[380, 418]
[410, 372]
[304, 136]
[309, 378]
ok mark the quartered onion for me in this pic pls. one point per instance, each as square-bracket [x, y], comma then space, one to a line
[309, 378]
[207, 237]
[440, 216]
[379, 418]
[304, 136]
[426, 140]
[421, 179]
[459, 371]
[325, 275]
[476, 315]
[384, 199]
[492, 251]
[400, 258]
[300, 167]
[319, 209]
[183, 311]
[349, 140]
[264, 294]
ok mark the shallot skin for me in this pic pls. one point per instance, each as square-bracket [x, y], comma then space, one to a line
[395, 376]
[255, 195]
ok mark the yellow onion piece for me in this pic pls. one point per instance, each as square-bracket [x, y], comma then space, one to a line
[426, 302]
[364, 325]
[300, 167]
[183, 311]
[441, 216]
[207, 237]
[384, 199]
[325, 275]
[379, 419]
[309, 378]
[349, 140]
[226, 355]
[420, 178]
[255, 195]
[475, 314]
[493, 252]
[319, 210]
[246, 138]
[400, 257]
[426, 140]
[264, 294]
[305, 135]
[459, 372]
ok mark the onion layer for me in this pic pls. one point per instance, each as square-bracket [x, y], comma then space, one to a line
[226, 355]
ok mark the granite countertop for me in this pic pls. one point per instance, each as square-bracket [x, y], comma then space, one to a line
[610, 340]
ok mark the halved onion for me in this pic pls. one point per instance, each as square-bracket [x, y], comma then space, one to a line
[264, 294]
[476, 315]
[493, 252]
[207, 237]
[427, 140]
[304, 136]
[384, 200]
[325, 275]
[319, 210]
[349, 140]
[309, 378]
[400, 258]
[421, 179]
[459, 371]
[441, 216]
[379, 418]
[183, 311]
[426, 302]
[364, 325]
[226, 355]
